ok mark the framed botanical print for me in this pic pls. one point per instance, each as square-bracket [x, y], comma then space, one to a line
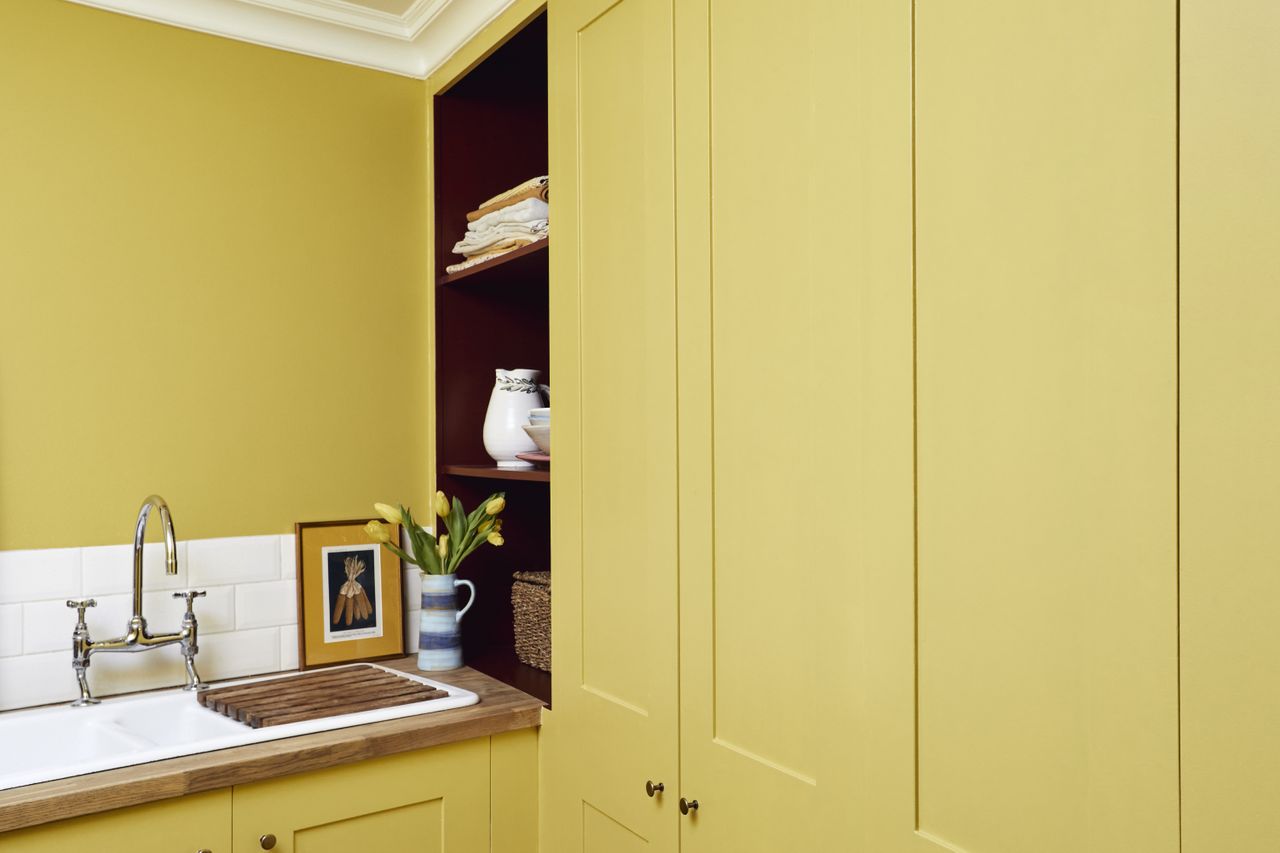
[350, 607]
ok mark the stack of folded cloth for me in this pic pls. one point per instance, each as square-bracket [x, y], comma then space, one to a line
[503, 224]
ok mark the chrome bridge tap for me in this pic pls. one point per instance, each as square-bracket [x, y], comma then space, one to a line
[136, 637]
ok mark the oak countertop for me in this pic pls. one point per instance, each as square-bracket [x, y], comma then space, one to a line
[501, 709]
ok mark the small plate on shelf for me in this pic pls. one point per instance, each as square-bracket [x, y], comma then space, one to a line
[540, 460]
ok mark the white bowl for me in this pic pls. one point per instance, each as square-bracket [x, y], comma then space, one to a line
[541, 435]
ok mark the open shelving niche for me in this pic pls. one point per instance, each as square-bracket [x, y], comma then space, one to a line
[490, 130]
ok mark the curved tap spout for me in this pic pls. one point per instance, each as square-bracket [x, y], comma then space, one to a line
[170, 552]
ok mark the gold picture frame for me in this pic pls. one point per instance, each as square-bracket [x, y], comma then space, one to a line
[350, 604]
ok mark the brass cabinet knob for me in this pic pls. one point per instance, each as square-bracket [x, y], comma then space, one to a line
[204, 850]
[687, 806]
[267, 841]
[653, 789]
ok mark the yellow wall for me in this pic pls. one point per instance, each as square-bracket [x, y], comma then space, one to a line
[213, 281]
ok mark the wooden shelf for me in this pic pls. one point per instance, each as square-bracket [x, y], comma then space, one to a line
[490, 472]
[507, 668]
[527, 262]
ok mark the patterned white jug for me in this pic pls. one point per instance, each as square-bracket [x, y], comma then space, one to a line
[515, 392]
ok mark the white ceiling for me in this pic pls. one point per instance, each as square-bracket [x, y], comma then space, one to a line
[409, 37]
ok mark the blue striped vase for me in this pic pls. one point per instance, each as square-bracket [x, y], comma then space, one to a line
[439, 637]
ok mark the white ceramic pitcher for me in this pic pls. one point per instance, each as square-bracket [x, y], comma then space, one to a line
[515, 392]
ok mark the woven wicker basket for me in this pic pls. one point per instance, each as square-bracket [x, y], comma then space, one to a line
[531, 602]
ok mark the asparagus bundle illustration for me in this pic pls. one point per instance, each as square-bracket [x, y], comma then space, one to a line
[352, 600]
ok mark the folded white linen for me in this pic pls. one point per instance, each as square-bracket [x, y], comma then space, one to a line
[478, 241]
[529, 210]
[489, 255]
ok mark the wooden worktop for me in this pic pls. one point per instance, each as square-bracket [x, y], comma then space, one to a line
[501, 709]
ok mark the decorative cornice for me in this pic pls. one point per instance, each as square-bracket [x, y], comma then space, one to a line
[413, 44]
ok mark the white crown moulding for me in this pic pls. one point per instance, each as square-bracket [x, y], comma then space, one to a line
[413, 44]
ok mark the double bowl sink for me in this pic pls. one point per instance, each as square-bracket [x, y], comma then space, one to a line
[57, 742]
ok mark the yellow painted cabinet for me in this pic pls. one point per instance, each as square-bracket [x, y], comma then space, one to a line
[1230, 402]
[613, 727]
[186, 825]
[924, 330]
[475, 796]
[433, 801]
[794, 185]
[1046, 605]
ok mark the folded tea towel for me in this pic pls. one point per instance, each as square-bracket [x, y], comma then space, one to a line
[477, 241]
[522, 211]
[538, 188]
[482, 257]
[503, 246]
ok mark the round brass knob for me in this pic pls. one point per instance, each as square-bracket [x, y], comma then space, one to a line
[687, 806]
[267, 841]
[654, 789]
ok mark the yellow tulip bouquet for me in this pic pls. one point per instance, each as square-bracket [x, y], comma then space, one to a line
[441, 555]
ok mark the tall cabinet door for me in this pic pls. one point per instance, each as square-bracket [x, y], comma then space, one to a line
[794, 211]
[613, 725]
[1046, 609]
[1230, 402]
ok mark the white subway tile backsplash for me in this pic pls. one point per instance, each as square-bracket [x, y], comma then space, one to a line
[242, 559]
[239, 653]
[215, 611]
[412, 586]
[38, 575]
[47, 625]
[248, 619]
[288, 556]
[289, 647]
[127, 672]
[10, 630]
[259, 605]
[36, 680]
[411, 619]
[107, 569]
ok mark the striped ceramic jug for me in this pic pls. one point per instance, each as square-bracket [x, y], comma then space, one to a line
[439, 634]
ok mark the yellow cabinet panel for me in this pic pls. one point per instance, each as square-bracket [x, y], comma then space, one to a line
[794, 183]
[1046, 356]
[614, 498]
[1230, 405]
[194, 822]
[514, 792]
[429, 800]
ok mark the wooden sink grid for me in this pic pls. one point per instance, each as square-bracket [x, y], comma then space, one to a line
[313, 695]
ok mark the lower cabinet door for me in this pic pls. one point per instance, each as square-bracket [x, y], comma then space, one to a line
[195, 822]
[429, 801]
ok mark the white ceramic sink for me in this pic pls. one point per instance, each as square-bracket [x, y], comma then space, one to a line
[56, 742]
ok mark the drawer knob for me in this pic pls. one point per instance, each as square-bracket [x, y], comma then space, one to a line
[267, 841]
[653, 789]
[687, 806]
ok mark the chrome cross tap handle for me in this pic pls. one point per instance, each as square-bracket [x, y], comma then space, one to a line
[80, 606]
[190, 595]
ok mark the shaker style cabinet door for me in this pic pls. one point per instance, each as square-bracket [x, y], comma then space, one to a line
[1047, 598]
[194, 822]
[613, 727]
[428, 801]
[1230, 401]
[794, 186]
